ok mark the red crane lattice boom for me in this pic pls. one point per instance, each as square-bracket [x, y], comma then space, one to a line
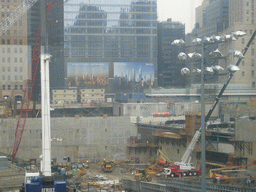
[27, 94]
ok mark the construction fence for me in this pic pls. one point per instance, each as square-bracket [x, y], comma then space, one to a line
[175, 185]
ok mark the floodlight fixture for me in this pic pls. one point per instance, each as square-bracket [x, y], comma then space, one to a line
[207, 40]
[179, 42]
[209, 70]
[185, 71]
[216, 53]
[238, 54]
[217, 68]
[233, 68]
[197, 41]
[196, 71]
[182, 56]
[239, 34]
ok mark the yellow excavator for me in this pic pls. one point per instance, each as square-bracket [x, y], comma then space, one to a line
[142, 175]
[107, 166]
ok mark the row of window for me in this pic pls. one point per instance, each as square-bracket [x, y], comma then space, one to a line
[9, 59]
[9, 87]
[252, 73]
[15, 50]
[8, 41]
[9, 1]
[9, 69]
[15, 77]
[15, 32]
[252, 63]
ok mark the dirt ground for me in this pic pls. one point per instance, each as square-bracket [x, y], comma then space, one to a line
[97, 178]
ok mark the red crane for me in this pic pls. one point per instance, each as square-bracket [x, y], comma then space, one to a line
[27, 94]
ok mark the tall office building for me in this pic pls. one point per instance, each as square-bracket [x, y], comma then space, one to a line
[100, 44]
[212, 17]
[14, 54]
[242, 17]
[169, 66]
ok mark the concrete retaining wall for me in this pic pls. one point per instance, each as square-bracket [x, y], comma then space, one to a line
[91, 138]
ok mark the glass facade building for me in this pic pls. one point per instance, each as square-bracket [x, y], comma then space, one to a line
[89, 39]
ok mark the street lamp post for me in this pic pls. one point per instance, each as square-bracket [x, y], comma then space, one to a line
[203, 158]
[213, 70]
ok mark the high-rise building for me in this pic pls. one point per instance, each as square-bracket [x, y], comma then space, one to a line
[169, 66]
[213, 17]
[242, 17]
[94, 43]
[14, 54]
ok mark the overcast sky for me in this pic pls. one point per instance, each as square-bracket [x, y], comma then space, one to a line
[178, 10]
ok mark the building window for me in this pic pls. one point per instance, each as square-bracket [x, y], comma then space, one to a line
[15, 41]
[3, 59]
[20, 32]
[3, 50]
[15, 59]
[20, 59]
[3, 77]
[253, 84]
[9, 87]
[9, 77]
[8, 32]
[3, 41]
[15, 50]
[21, 77]
[252, 73]
[3, 69]
[16, 87]
[20, 41]
[9, 69]
[15, 32]
[20, 23]
[8, 50]
[242, 73]
[15, 69]
[252, 51]
[21, 87]
[242, 40]
[3, 87]
[8, 41]
[8, 59]
[20, 50]
[16, 77]
[253, 63]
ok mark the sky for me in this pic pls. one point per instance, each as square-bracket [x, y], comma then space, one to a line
[178, 10]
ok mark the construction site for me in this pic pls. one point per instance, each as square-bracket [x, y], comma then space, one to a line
[108, 152]
[105, 131]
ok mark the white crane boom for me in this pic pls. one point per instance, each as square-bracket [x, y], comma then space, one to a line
[46, 129]
[15, 15]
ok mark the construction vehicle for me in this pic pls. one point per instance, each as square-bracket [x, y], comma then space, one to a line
[224, 178]
[81, 172]
[107, 166]
[182, 170]
[142, 175]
